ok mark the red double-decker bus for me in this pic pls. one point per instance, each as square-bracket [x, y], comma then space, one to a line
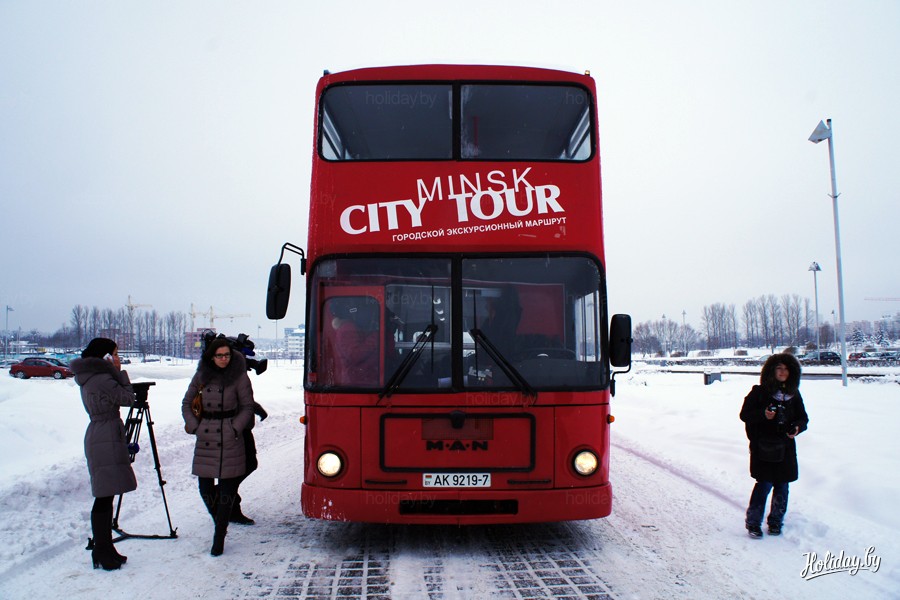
[458, 347]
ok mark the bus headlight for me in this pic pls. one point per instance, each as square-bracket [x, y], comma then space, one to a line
[329, 464]
[585, 462]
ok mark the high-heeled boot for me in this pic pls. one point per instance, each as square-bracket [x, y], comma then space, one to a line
[103, 553]
[218, 546]
[236, 515]
[223, 512]
[121, 557]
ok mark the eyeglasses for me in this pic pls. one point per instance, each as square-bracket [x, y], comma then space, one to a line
[222, 355]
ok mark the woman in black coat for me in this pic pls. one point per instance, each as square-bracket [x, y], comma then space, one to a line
[774, 415]
[105, 388]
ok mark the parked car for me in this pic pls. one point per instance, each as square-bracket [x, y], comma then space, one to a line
[55, 361]
[40, 367]
[858, 356]
[822, 357]
[885, 358]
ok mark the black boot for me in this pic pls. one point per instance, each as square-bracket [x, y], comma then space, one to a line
[218, 546]
[121, 557]
[236, 515]
[223, 512]
[103, 554]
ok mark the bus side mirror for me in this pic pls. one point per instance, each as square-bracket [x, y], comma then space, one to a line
[279, 292]
[620, 341]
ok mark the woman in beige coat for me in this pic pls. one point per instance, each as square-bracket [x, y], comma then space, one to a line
[105, 388]
[227, 399]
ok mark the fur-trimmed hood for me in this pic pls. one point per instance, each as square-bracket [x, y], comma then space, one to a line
[86, 368]
[235, 367]
[767, 376]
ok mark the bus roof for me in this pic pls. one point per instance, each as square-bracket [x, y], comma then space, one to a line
[449, 72]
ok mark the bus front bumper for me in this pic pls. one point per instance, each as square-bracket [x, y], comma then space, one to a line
[456, 507]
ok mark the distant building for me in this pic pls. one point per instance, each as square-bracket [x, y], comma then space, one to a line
[22, 347]
[294, 342]
[193, 342]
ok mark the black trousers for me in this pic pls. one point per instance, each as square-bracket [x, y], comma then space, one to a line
[104, 504]
[224, 493]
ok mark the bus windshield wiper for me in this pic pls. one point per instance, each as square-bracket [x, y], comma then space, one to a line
[408, 362]
[514, 376]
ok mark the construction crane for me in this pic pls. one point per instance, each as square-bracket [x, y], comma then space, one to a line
[213, 316]
[198, 313]
[131, 305]
[884, 299]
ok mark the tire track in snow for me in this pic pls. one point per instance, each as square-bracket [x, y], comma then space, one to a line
[678, 473]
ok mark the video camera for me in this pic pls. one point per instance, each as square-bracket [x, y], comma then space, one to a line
[241, 344]
[781, 422]
[141, 389]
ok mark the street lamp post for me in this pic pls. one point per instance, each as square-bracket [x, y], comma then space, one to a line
[833, 326]
[665, 337]
[824, 132]
[6, 331]
[815, 268]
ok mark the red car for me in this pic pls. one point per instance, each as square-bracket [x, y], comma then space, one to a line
[40, 367]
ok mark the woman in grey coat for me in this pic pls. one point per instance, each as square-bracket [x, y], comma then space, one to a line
[227, 399]
[105, 388]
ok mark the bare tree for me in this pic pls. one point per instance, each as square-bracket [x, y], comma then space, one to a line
[153, 331]
[95, 322]
[666, 333]
[721, 325]
[645, 341]
[808, 321]
[731, 315]
[791, 307]
[751, 322]
[79, 323]
[773, 308]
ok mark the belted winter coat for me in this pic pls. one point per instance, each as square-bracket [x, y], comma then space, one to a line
[773, 455]
[104, 389]
[227, 412]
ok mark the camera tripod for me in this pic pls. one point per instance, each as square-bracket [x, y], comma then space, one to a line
[133, 422]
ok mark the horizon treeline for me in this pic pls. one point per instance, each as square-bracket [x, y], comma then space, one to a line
[764, 322]
[142, 331]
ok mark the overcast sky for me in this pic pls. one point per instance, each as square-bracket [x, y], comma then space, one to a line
[161, 150]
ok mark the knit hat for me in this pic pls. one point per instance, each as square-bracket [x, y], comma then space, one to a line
[99, 347]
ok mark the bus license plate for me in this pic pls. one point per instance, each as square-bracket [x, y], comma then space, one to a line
[456, 480]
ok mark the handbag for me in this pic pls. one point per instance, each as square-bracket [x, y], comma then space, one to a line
[197, 404]
[770, 450]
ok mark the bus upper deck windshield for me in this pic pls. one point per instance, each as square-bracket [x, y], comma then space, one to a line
[463, 121]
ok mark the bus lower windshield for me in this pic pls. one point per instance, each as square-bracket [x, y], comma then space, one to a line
[408, 325]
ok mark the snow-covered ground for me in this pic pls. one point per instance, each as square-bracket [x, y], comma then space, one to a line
[679, 471]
